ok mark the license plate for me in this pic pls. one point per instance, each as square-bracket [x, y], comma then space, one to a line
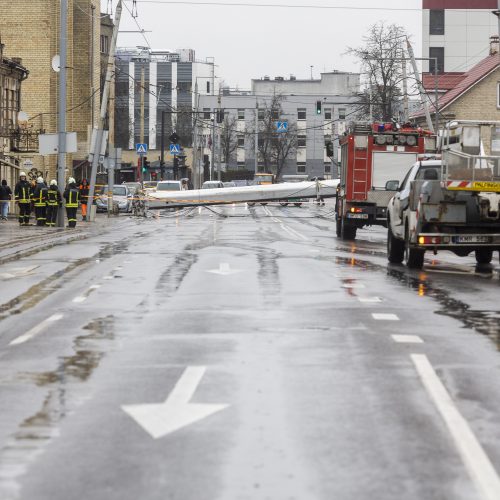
[472, 239]
[357, 216]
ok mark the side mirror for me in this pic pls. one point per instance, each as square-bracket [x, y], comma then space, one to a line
[392, 186]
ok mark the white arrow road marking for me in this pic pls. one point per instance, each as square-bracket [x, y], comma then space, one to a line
[176, 412]
[479, 466]
[224, 270]
[36, 330]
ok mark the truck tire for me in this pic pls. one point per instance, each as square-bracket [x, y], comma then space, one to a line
[348, 232]
[414, 257]
[484, 255]
[395, 247]
[284, 203]
[251, 203]
[298, 204]
[264, 203]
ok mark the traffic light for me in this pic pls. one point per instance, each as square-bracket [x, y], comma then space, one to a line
[318, 107]
[174, 138]
[220, 115]
[329, 149]
[145, 165]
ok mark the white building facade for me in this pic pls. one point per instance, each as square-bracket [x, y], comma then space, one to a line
[457, 33]
[338, 93]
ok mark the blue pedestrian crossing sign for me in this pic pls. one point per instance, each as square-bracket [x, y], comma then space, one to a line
[141, 149]
[282, 126]
[175, 149]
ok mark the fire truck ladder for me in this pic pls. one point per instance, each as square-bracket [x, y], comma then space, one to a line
[360, 172]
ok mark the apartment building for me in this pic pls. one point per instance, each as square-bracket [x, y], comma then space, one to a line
[155, 85]
[30, 30]
[337, 92]
[457, 33]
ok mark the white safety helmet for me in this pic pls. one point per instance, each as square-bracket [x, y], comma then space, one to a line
[39, 180]
[71, 180]
[22, 174]
[53, 182]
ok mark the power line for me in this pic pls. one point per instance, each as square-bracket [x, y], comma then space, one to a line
[280, 5]
[134, 16]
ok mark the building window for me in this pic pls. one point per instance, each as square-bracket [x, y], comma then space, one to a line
[342, 114]
[328, 138]
[301, 141]
[104, 44]
[301, 113]
[260, 142]
[208, 87]
[328, 168]
[206, 113]
[261, 114]
[301, 167]
[436, 22]
[241, 114]
[436, 54]
[241, 141]
[240, 164]
[275, 114]
[498, 95]
[328, 114]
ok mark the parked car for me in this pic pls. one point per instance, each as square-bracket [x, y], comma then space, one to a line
[169, 186]
[212, 185]
[229, 184]
[122, 196]
[133, 186]
[149, 186]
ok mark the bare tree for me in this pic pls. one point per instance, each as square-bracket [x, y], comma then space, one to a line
[228, 137]
[275, 147]
[381, 57]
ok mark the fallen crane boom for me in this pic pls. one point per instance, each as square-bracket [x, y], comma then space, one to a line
[254, 194]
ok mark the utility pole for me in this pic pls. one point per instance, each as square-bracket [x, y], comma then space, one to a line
[423, 96]
[143, 83]
[213, 146]
[406, 106]
[219, 140]
[104, 103]
[61, 156]
[256, 145]
[162, 145]
[111, 142]
[194, 173]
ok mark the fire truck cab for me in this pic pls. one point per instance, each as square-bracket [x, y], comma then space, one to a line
[374, 158]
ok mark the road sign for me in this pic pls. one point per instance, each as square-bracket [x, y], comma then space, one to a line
[282, 126]
[175, 149]
[141, 149]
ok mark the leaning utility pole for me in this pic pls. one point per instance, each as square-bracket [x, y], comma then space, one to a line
[143, 84]
[104, 103]
[423, 95]
[61, 155]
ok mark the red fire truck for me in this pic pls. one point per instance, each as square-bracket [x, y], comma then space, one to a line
[374, 158]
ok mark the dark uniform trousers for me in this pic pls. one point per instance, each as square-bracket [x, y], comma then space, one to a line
[71, 214]
[24, 213]
[52, 214]
[40, 214]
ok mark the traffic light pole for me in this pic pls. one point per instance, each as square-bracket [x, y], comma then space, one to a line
[162, 151]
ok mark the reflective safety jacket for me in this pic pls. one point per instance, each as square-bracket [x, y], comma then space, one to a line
[72, 196]
[22, 192]
[54, 197]
[39, 197]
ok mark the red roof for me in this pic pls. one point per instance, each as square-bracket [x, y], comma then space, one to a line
[467, 81]
[446, 81]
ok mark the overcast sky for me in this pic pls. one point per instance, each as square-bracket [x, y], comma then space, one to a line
[250, 42]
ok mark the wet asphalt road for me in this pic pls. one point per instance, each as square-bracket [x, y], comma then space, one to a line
[246, 354]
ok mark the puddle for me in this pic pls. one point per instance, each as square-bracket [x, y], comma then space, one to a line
[66, 391]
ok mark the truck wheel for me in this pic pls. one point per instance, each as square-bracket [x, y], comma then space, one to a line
[348, 232]
[298, 204]
[395, 247]
[484, 255]
[264, 204]
[284, 203]
[250, 203]
[414, 258]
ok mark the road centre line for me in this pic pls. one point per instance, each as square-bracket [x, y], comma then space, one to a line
[477, 463]
[407, 339]
[85, 296]
[36, 329]
[385, 317]
[370, 300]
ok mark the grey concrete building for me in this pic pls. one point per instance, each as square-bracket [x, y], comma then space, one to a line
[336, 91]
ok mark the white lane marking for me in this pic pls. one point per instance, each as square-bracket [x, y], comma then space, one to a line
[385, 317]
[370, 300]
[80, 299]
[479, 466]
[353, 285]
[176, 412]
[300, 235]
[407, 339]
[224, 270]
[36, 330]
[94, 287]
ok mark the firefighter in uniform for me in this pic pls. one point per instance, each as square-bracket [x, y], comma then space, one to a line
[39, 198]
[84, 196]
[72, 196]
[22, 195]
[54, 201]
